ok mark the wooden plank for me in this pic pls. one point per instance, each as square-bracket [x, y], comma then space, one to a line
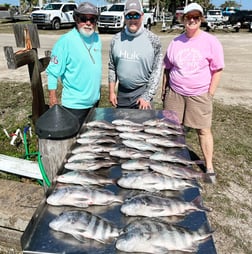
[10, 240]
[15, 60]
[20, 167]
[19, 201]
[43, 63]
[19, 32]
[38, 103]
[10, 57]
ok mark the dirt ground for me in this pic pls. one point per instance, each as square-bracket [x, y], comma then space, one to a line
[235, 86]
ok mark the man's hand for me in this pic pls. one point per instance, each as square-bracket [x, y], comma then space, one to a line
[113, 99]
[52, 98]
[143, 104]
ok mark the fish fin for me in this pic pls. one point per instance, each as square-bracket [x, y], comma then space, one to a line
[198, 202]
[119, 199]
[158, 209]
[79, 237]
[198, 162]
[163, 250]
[81, 203]
[113, 181]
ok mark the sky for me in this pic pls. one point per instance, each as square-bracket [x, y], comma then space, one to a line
[246, 4]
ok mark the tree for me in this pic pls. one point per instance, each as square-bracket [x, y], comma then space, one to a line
[230, 4]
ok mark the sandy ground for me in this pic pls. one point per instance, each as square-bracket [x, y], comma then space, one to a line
[235, 86]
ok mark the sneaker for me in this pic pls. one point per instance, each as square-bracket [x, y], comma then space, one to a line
[211, 175]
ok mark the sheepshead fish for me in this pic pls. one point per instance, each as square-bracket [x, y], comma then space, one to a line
[96, 132]
[82, 225]
[95, 140]
[81, 196]
[125, 122]
[163, 156]
[135, 135]
[89, 165]
[156, 236]
[130, 153]
[152, 181]
[173, 170]
[95, 148]
[160, 141]
[126, 128]
[86, 156]
[162, 123]
[151, 205]
[102, 124]
[83, 178]
[162, 131]
[141, 145]
[136, 164]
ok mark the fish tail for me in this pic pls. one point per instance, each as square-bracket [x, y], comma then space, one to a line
[195, 183]
[205, 230]
[198, 202]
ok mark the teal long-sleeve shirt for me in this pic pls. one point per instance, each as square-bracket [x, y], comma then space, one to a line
[77, 62]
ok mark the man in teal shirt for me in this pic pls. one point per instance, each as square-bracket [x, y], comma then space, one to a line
[76, 60]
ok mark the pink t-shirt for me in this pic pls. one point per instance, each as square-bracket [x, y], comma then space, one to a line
[192, 61]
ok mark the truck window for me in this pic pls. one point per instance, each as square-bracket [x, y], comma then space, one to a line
[117, 8]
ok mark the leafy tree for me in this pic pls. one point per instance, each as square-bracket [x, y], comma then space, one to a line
[230, 4]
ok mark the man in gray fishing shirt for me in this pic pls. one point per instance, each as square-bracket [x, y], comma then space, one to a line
[135, 62]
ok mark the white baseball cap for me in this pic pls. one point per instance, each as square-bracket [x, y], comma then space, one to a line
[193, 7]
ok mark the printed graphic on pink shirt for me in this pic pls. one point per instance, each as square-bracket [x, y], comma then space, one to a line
[188, 60]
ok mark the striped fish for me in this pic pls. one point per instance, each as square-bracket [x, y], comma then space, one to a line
[152, 181]
[155, 236]
[82, 225]
[81, 196]
[152, 205]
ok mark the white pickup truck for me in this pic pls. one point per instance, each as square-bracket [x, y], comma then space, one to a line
[112, 20]
[54, 15]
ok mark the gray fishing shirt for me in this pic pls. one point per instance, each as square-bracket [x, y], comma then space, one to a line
[136, 61]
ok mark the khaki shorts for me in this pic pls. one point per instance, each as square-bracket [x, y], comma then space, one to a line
[193, 111]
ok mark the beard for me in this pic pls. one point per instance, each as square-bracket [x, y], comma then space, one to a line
[86, 31]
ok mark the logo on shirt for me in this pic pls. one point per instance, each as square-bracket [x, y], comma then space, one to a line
[189, 59]
[54, 60]
[133, 56]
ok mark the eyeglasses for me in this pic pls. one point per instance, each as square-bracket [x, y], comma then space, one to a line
[195, 18]
[135, 16]
[85, 19]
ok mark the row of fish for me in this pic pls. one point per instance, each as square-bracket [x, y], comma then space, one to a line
[151, 167]
[141, 235]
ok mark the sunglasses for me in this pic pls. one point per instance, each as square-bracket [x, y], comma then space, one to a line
[195, 18]
[135, 16]
[85, 19]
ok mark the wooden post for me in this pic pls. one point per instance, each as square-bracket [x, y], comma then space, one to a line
[26, 35]
[53, 153]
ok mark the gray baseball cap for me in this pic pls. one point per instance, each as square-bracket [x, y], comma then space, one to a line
[133, 6]
[86, 8]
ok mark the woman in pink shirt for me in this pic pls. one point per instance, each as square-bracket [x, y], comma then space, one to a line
[193, 65]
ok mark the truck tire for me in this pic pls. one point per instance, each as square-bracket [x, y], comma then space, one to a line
[56, 24]
[100, 30]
